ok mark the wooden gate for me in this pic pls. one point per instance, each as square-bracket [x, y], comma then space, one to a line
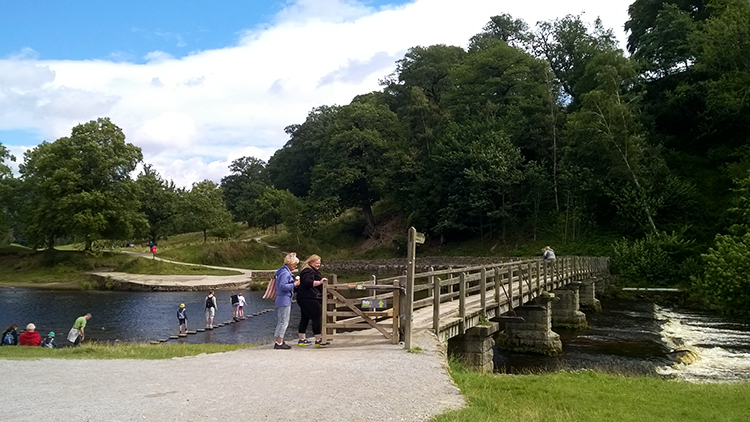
[362, 306]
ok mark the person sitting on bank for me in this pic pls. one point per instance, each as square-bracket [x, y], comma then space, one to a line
[49, 341]
[10, 335]
[30, 337]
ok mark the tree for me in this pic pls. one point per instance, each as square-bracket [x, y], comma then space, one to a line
[159, 202]
[291, 166]
[514, 32]
[243, 186]
[80, 186]
[6, 181]
[203, 209]
[363, 148]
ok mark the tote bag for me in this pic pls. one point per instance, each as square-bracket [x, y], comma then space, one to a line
[270, 290]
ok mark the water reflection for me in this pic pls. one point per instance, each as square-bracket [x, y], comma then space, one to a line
[139, 316]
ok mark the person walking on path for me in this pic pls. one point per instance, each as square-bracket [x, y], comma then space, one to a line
[30, 337]
[241, 307]
[49, 341]
[235, 305]
[310, 301]
[77, 334]
[10, 336]
[182, 317]
[210, 310]
[285, 284]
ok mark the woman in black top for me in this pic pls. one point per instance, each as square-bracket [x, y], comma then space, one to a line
[13, 331]
[310, 301]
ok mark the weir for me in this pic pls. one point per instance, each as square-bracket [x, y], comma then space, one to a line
[525, 298]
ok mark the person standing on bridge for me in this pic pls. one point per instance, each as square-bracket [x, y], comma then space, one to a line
[285, 284]
[548, 254]
[310, 301]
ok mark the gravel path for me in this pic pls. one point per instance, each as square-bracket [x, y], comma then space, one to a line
[345, 382]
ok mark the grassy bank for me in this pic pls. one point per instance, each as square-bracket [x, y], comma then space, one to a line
[117, 351]
[20, 266]
[591, 396]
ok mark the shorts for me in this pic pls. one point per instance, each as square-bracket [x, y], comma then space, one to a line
[210, 312]
[182, 321]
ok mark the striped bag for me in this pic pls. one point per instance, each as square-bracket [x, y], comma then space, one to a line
[270, 290]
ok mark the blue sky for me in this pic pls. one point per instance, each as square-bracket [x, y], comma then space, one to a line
[198, 84]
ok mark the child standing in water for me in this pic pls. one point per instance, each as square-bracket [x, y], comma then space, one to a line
[182, 317]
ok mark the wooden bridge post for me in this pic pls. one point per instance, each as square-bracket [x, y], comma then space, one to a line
[324, 321]
[411, 257]
[436, 306]
[497, 290]
[396, 308]
[520, 286]
[462, 303]
[483, 291]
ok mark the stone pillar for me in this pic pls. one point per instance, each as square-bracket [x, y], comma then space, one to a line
[475, 347]
[588, 298]
[534, 334]
[566, 311]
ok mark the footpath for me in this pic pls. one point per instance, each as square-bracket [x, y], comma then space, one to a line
[344, 382]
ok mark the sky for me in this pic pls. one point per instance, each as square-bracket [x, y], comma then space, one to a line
[198, 84]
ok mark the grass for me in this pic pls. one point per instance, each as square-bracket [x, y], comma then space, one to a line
[117, 351]
[249, 255]
[592, 396]
[26, 267]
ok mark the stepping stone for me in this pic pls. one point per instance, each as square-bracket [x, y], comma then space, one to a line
[200, 330]
[162, 340]
[191, 332]
[172, 337]
[243, 318]
[181, 335]
[156, 342]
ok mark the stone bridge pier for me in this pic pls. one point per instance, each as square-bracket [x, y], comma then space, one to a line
[476, 346]
[587, 293]
[566, 311]
[534, 334]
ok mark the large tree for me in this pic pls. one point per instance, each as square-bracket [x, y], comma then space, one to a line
[80, 186]
[247, 181]
[203, 209]
[159, 201]
[6, 180]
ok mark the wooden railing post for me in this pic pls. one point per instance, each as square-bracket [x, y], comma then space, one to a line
[520, 286]
[436, 306]
[324, 322]
[396, 308]
[483, 291]
[411, 257]
[462, 303]
[497, 290]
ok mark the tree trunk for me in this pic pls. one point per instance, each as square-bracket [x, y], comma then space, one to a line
[369, 220]
[205, 235]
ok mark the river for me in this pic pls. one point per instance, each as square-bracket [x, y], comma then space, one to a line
[639, 338]
[631, 337]
[138, 316]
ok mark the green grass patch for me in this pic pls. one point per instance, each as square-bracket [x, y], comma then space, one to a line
[249, 255]
[154, 267]
[117, 351]
[592, 396]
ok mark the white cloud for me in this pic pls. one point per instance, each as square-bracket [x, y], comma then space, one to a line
[192, 116]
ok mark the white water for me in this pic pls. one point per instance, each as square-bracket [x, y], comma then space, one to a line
[722, 347]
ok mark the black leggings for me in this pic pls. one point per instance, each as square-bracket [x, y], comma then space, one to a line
[312, 310]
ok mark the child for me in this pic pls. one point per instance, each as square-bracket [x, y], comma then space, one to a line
[243, 302]
[50, 341]
[182, 317]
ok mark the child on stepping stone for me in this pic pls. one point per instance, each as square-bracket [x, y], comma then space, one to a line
[182, 317]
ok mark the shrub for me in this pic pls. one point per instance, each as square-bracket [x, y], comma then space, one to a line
[655, 260]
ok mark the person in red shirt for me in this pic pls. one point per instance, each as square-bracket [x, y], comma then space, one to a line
[30, 337]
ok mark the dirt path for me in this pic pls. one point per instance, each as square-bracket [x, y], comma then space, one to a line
[376, 382]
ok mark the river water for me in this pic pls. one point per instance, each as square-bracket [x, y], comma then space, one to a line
[138, 316]
[628, 337]
[640, 338]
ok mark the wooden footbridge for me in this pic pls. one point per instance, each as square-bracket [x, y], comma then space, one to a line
[449, 301]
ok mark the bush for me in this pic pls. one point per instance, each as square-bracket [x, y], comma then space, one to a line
[725, 281]
[655, 260]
